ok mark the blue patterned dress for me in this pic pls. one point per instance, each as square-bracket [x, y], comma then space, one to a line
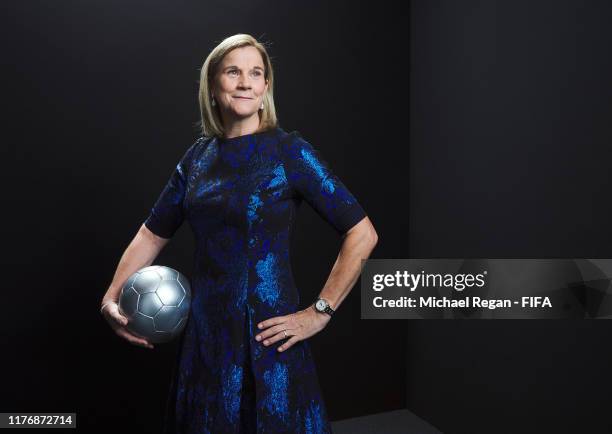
[240, 196]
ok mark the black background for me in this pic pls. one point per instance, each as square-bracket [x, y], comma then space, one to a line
[465, 129]
[510, 153]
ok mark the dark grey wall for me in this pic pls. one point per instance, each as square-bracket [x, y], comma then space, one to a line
[510, 158]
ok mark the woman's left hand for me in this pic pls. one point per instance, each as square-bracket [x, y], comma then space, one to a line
[298, 326]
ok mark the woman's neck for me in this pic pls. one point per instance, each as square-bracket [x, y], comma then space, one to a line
[241, 127]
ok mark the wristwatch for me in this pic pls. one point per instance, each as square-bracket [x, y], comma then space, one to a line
[322, 306]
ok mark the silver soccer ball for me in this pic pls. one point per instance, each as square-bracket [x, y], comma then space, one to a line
[156, 302]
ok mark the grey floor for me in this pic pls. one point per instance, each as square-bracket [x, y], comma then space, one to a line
[393, 422]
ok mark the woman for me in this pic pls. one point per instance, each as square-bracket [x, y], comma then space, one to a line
[244, 364]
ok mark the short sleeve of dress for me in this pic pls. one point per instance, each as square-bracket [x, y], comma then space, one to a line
[167, 214]
[311, 178]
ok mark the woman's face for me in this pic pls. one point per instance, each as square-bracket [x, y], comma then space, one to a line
[239, 85]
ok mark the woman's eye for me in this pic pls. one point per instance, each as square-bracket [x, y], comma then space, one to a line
[232, 71]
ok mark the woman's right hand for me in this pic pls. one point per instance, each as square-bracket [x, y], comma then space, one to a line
[110, 311]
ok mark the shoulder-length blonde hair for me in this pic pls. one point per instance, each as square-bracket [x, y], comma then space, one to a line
[211, 123]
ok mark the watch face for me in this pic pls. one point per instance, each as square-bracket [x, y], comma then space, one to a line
[321, 305]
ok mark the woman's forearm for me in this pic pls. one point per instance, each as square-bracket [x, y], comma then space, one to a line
[141, 252]
[357, 246]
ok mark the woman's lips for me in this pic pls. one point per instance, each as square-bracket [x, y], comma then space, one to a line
[242, 97]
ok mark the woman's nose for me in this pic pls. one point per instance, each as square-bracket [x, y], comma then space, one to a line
[244, 83]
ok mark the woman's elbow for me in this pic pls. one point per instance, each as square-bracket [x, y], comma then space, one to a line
[366, 232]
[372, 236]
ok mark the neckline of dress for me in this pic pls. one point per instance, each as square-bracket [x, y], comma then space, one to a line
[246, 137]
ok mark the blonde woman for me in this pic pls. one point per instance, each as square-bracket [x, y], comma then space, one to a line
[244, 364]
